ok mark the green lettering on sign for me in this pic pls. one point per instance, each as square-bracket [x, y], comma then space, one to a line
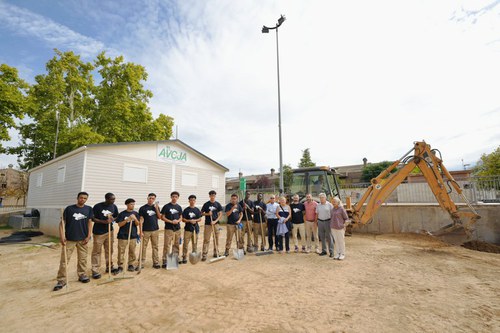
[168, 153]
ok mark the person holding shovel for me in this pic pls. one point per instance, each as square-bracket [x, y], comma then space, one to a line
[125, 235]
[104, 214]
[171, 215]
[74, 232]
[248, 211]
[190, 216]
[234, 213]
[259, 222]
[149, 215]
[212, 210]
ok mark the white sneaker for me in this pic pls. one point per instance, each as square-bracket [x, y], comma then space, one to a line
[341, 257]
[318, 251]
[336, 257]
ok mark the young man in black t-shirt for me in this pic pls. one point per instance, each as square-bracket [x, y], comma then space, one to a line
[77, 221]
[171, 214]
[190, 216]
[212, 210]
[258, 218]
[104, 214]
[124, 219]
[248, 211]
[234, 213]
[149, 215]
[298, 213]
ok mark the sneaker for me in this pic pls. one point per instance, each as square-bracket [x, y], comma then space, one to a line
[296, 249]
[184, 261]
[96, 275]
[226, 253]
[262, 248]
[59, 285]
[130, 268]
[203, 258]
[164, 266]
[318, 251]
[215, 255]
[322, 254]
[118, 271]
[331, 255]
[308, 251]
[137, 267]
[156, 266]
[341, 257]
[83, 278]
[336, 257]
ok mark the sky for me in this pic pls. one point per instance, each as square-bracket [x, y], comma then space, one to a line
[357, 78]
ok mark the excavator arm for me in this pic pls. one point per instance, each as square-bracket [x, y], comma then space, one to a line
[433, 170]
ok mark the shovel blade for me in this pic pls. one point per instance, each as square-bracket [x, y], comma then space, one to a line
[172, 261]
[194, 257]
[238, 254]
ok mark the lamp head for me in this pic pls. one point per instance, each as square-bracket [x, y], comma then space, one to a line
[281, 20]
[265, 30]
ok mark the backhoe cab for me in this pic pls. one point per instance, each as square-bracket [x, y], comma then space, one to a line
[315, 180]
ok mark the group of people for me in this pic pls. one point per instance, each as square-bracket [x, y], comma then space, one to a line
[277, 220]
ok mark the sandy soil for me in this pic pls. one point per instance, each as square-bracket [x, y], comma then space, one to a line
[388, 283]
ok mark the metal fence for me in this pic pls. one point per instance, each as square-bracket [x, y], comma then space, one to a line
[475, 189]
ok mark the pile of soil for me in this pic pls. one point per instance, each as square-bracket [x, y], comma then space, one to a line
[482, 246]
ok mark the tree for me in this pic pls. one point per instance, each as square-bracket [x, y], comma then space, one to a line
[12, 100]
[488, 164]
[372, 170]
[306, 161]
[287, 178]
[262, 182]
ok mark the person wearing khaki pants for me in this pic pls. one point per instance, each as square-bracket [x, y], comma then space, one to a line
[234, 214]
[190, 216]
[311, 224]
[124, 219]
[171, 214]
[212, 211]
[74, 231]
[149, 215]
[104, 214]
[298, 212]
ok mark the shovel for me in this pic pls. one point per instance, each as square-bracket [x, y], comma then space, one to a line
[126, 249]
[238, 253]
[139, 265]
[194, 257]
[67, 290]
[110, 278]
[173, 259]
[216, 244]
[262, 253]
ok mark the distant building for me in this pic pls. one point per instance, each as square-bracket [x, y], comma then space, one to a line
[129, 170]
[13, 186]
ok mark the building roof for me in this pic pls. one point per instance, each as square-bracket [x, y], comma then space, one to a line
[83, 148]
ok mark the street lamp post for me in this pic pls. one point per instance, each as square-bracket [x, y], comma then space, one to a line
[265, 30]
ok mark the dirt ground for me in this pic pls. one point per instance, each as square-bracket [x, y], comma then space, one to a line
[388, 283]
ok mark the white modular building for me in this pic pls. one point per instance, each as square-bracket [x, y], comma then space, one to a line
[128, 170]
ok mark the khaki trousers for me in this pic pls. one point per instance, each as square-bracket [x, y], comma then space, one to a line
[122, 247]
[312, 230]
[101, 241]
[301, 229]
[81, 253]
[171, 238]
[188, 236]
[257, 231]
[247, 229]
[207, 235]
[153, 236]
[231, 230]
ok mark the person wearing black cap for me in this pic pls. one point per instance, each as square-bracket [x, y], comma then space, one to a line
[124, 219]
[171, 214]
[104, 214]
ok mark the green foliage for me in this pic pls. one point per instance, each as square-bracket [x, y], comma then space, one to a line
[489, 164]
[306, 161]
[66, 98]
[12, 100]
[287, 178]
[372, 170]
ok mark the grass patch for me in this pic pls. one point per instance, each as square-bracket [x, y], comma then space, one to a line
[5, 227]
[54, 239]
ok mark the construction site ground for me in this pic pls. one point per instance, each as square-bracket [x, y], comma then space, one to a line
[388, 283]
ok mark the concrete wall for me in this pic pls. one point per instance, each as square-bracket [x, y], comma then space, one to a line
[411, 218]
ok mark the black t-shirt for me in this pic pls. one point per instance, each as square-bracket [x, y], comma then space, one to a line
[235, 215]
[148, 213]
[101, 211]
[297, 212]
[214, 207]
[259, 215]
[123, 231]
[191, 214]
[76, 222]
[172, 212]
[248, 210]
